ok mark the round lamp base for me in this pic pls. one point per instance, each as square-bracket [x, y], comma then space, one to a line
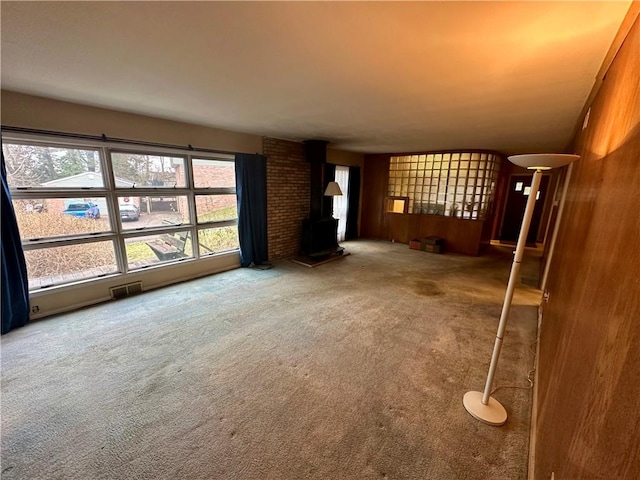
[491, 414]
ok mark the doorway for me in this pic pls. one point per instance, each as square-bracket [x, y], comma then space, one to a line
[519, 187]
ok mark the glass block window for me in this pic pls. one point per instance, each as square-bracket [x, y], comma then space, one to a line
[457, 185]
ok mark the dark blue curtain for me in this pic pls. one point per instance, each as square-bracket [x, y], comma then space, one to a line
[353, 204]
[15, 285]
[251, 189]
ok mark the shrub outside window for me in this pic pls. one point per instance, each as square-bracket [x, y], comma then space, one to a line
[51, 266]
[216, 240]
[61, 216]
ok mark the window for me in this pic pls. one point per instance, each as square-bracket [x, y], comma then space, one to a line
[87, 211]
[32, 165]
[214, 240]
[153, 249]
[60, 216]
[137, 170]
[216, 205]
[67, 263]
[213, 173]
[453, 184]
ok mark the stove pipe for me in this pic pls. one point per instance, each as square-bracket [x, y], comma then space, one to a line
[316, 154]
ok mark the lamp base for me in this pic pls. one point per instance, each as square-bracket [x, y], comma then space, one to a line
[492, 414]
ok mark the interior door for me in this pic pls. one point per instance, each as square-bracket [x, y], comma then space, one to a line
[519, 186]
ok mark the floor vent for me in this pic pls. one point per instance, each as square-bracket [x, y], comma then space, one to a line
[127, 290]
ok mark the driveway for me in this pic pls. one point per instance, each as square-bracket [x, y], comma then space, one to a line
[153, 220]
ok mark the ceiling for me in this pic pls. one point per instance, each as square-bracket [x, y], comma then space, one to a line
[367, 76]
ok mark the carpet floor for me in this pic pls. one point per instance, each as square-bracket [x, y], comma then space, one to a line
[351, 370]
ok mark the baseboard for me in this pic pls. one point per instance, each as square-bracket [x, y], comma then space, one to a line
[44, 305]
[534, 405]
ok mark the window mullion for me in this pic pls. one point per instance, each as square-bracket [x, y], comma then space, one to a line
[191, 205]
[112, 203]
[64, 241]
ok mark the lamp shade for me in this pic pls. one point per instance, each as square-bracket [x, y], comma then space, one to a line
[332, 190]
[543, 161]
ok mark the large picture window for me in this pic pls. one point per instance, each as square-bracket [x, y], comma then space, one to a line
[88, 210]
[452, 184]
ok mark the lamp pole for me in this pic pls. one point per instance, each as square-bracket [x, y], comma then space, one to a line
[488, 409]
[513, 280]
[481, 405]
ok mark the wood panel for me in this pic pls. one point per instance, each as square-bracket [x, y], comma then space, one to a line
[461, 236]
[374, 192]
[588, 424]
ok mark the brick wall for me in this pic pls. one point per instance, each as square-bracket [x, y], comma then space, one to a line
[208, 176]
[212, 176]
[287, 196]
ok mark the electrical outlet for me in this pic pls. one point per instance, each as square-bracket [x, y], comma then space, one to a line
[545, 295]
[35, 309]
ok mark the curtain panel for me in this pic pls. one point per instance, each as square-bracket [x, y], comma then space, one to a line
[354, 203]
[251, 190]
[15, 283]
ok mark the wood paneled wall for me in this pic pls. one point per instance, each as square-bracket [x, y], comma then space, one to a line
[461, 236]
[374, 192]
[588, 424]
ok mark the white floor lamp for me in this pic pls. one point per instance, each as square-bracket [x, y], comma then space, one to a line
[482, 405]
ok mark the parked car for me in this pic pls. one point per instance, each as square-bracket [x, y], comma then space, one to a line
[82, 210]
[129, 212]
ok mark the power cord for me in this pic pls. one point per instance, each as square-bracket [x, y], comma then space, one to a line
[529, 374]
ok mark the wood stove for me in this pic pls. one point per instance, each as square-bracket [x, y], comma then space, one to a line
[320, 230]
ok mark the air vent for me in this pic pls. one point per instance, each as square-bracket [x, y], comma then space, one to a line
[118, 292]
[127, 290]
[134, 288]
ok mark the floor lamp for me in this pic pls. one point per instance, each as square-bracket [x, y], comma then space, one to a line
[332, 190]
[482, 405]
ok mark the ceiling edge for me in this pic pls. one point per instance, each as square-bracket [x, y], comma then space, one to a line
[625, 27]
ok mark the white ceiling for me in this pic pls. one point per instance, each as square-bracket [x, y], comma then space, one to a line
[367, 76]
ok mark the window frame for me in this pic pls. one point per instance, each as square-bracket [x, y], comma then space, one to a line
[117, 234]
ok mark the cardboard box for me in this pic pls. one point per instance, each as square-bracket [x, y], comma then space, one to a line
[415, 244]
[432, 248]
[432, 244]
[433, 241]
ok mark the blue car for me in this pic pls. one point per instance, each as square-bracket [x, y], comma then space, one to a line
[83, 210]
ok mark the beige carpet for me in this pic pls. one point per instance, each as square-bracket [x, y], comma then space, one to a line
[352, 370]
